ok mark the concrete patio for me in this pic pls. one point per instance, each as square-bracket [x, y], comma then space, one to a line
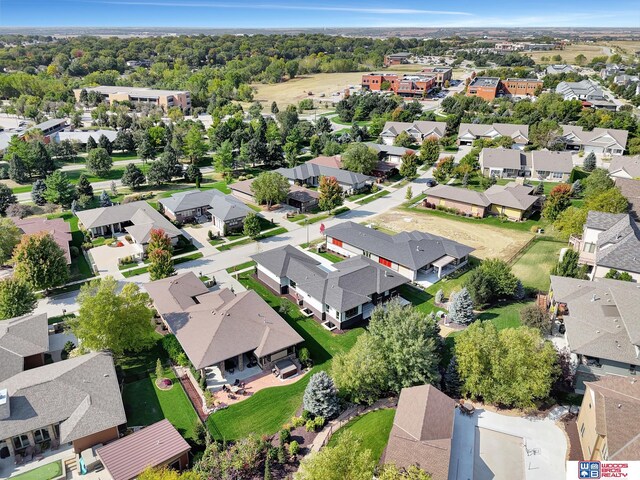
[256, 383]
[216, 379]
[8, 468]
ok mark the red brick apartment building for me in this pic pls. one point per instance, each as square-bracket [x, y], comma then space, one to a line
[442, 74]
[415, 85]
[492, 87]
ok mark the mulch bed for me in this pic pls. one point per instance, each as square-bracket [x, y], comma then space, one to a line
[194, 397]
[571, 427]
[160, 385]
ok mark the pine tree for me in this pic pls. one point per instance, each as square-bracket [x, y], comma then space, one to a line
[159, 370]
[133, 176]
[461, 307]
[439, 296]
[409, 193]
[91, 144]
[37, 192]
[18, 170]
[84, 187]
[105, 199]
[589, 163]
[104, 142]
[520, 292]
[321, 396]
[451, 379]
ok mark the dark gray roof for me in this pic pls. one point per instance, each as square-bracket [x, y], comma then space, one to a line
[388, 149]
[411, 249]
[619, 245]
[307, 170]
[224, 207]
[350, 284]
[21, 337]
[81, 393]
[548, 161]
[603, 220]
[54, 122]
[602, 321]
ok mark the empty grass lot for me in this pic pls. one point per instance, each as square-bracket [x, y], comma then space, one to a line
[146, 404]
[45, 472]
[373, 428]
[266, 411]
[533, 266]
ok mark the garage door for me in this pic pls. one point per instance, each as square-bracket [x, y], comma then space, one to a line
[590, 149]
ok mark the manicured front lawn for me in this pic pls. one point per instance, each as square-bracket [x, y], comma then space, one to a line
[176, 261]
[373, 428]
[371, 198]
[330, 256]
[535, 264]
[146, 404]
[242, 266]
[45, 472]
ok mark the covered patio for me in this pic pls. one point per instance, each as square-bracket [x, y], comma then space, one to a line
[217, 377]
[9, 467]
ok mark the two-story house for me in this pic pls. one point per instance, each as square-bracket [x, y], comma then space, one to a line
[609, 241]
[339, 295]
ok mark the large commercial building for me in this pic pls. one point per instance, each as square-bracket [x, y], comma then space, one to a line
[161, 98]
[414, 85]
[492, 87]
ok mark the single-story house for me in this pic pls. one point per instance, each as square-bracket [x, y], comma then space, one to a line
[609, 240]
[625, 167]
[23, 343]
[468, 132]
[417, 130]
[158, 445]
[512, 200]
[559, 68]
[57, 227]
[630, 189]
[310, 174]
[538, 164]
[135, 218]
[298, 197]
[334, 162]
[389, 153]
[608, 141]
[49, 127]
[75, 401]
[608, 422]
[602, 325]
[340, 295]
[408, 253]
[221, 327]
[81, 138]
[551, 166]
[422, 431]
[225, 211]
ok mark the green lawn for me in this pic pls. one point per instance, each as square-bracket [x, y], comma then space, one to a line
[242, 266]
[330, 256]
[176, 261]
[79, 268]
[146, 404]
[21, 189]
[45, 472]
[117, 157]
[375, 196]
[266, 411]
[534, 265]
[297, 218]
[272, 233]
[373, 428]
[316, 219]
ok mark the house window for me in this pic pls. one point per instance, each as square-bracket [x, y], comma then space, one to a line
[336, 242]
[385, 262]
[589, 247]
[41, 435]
[20, 442]
[352, 312]
[582, 430]
[557, 174]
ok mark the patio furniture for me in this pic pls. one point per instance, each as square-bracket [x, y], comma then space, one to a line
[285, 369]
[466, 408]
[18, 460]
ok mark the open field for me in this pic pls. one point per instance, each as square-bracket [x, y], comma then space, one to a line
[626, 48]
[488, 241]
[535, 264]
[569, 53]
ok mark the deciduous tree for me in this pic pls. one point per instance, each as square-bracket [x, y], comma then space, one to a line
[430, 150]
[270, 188]
[359, 158]
[59, 189]
[330, 193]
[194, 145]
[16, 298]
[251, 227]
[9, 237]
[40, 262]
[409, 165]
[160, 264]
[7, 198]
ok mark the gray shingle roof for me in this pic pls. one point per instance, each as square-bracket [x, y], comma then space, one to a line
[628, 165]
[215, 326]
[351, 284]
[411, 249]
[387, 149]
[548, 161]
[511, 195]
[21, 337]
[502, 158]
[603, 137]
[619, 245]
[630, 190]
[459, 194]
[424, 128]
[520, 133]
[82, 393]
[307, 170]
[602, 320]
[603, 220]
[224, 207]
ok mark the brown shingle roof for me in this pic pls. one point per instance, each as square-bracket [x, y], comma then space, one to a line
[152, 446]
[422, 431]
[57, 227]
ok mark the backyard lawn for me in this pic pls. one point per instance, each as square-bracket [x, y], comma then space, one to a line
[333, 258]
[45, 472]
[146, 404]
[79, 268]
[534, 265]
[373, 428]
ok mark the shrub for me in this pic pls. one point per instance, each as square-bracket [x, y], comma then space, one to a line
[74, 251]
[109, 241]
[535, 317]
[210, 235]
[319, 422]
[307, 415]
[304, 356]
[209, 399]
[439, 296]
[294, 448]
[297, 421]
[284, 437]
[87, 246]
[310, 426]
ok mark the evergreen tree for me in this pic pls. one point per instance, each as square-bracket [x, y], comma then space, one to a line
[91, 144]
[124, 141]
[38, 159]
[105, 199]
[59, 190]
[461, 307]
[589, 163]
[274, 108]
[104, 142]
[321, 396]
[193, 174]
[84, 187]
[37, 192]
[99, 162]
[520, 292]
[18, 170]
[7, 198]
[133, 176]
[451, 379]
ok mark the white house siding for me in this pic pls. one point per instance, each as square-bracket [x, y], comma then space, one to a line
[388, 140]
[271, 275]
[346, 250]
[407, 272]
[310, 300]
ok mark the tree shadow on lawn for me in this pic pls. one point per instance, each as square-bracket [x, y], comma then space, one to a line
[141, 403]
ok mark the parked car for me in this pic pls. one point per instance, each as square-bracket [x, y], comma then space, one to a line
[431, 182]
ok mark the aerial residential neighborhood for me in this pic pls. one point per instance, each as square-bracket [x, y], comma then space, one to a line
[319, 241]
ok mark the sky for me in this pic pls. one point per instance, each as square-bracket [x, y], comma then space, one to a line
[320, 13]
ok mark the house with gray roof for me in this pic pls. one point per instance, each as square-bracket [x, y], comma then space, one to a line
[23, 343]
[602, 325]
[630, 189]
[557, 69]
[338, 295]
[537, 164]
[222, 329]
[625, 167]
[607, 141]
[137, 219]
[609, 241]
[75, 401]
[412, 254]
[550, 166]
[582, 90]
[514, 201]
[80, 138]
[225, 211]
[418, 130]
[468, 132]
[310, 173]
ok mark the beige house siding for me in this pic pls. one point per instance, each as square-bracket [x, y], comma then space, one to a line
[590, 441]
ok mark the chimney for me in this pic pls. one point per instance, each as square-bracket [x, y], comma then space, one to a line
[5, 410]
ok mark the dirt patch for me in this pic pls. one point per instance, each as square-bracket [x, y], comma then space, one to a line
[489, 242]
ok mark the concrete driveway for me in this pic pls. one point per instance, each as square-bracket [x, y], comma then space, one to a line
[489, 445]
[106, 257]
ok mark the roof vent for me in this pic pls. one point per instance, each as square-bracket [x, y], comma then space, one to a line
[594, 297]
[597, 331]
[386, 274]
[619, 405]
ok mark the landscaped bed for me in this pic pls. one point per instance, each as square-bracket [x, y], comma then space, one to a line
[45, 472]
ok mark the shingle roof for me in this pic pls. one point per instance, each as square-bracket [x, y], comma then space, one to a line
[82, 393]
[83, 137]
[583, 88]
[604, 137]
[502, 158]
[152, 446]
[511, 195]
[617, 401]
[411, 249]
[619, 245]
[224, 207]
[603, 220]
[519, 133]
[57, 227]
[602, 321]
[628, 165]
[630, 190]
[350, 284]
[387, 149]
[548, 161]
[422, 431]
[307, 170]
[425, 128]
[334, 161]
[459, 194]
[215, 326]
[21, 337]
[140, 213]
